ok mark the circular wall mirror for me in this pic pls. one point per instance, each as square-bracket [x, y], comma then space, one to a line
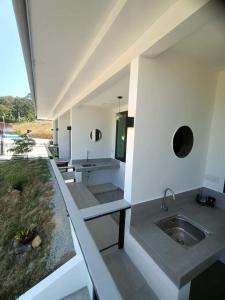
[96, 135]
[183, 141]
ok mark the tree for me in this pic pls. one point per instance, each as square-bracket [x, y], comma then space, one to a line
[23, 145]
[16, 109]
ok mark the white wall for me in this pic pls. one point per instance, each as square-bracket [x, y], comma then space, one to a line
[55, 133]
[165, 93]
[84, 120]
[133, 83]
[118, 176]
[63, 136]
[215, 168]
[171, 91]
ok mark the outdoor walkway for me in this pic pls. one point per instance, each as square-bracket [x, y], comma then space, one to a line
[39, 149]
[128, 279]
[104, 231]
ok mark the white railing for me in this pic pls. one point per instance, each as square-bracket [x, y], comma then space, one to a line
[69, 278]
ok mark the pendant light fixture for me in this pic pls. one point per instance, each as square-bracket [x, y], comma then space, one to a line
[118, 115]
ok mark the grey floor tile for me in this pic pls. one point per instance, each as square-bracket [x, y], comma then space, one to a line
[102, 188]
[128, 279]
[104, 231]
[109, 196]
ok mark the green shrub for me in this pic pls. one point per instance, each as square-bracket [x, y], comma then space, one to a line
[22, 145]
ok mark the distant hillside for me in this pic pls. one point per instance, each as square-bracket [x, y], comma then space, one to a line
[15, 109]
[39, 129]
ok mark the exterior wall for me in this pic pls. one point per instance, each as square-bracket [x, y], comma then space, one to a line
[63, 136]
[215, 168]
[118, 176]
[130, 132]
[55, 133]
[165, 93]
[171, 91]
[84, 120]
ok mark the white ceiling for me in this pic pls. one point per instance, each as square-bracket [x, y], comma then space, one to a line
[206, 45]
[77, 43]
[133, 20]
[62, 34]
[106, 95]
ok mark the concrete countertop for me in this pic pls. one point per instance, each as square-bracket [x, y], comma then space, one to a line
[179, 263]
[100, 164]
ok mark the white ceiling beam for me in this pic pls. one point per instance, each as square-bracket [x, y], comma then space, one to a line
[96, 42]
[180, 19]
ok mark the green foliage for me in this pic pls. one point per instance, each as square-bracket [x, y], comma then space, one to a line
[17, 175]
[28, 208]
[22, 235]
[25, 235]
[16, 109]
[18, 132]
[22, 145]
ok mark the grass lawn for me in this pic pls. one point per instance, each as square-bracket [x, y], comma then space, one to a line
[40, 129]
[25, 194]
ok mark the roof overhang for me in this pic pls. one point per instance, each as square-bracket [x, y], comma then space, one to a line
[68, 58]
[20, 10]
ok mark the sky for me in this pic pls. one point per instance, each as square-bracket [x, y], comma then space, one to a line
[13, 77]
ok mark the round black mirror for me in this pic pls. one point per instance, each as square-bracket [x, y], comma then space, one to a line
[96, 135]
[183, 141]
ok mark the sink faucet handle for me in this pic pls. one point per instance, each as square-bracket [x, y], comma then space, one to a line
[164, 206]
[87, 152]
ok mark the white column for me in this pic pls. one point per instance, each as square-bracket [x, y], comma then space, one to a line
[71, 135]
[157, 279]
[63, 136]
[55, 131]
[131, 131]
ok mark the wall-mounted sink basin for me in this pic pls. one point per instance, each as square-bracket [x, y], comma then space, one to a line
[181, 230]
[88, 165]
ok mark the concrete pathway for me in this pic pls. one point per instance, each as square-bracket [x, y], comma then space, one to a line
[39, 149]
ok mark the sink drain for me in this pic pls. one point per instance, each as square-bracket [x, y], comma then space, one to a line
[180, 242]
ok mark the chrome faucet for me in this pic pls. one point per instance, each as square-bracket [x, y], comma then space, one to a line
[164, 206]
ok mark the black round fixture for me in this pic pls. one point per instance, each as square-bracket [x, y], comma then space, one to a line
[183, 141]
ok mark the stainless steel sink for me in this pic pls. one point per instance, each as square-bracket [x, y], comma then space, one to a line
[181, 230]
[88, 165]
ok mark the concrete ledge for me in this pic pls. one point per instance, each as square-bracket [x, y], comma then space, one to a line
[104, 209]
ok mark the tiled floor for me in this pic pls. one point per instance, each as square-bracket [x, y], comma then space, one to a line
[104, 231]
[109, 196]
[102, 188]
[128, 279]
[106, 193]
